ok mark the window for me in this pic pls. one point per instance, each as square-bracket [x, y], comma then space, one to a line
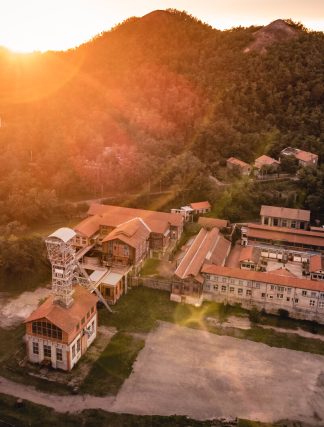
[79, 345]
[312, 302]
[92, 327]
[313, 294]
[322, 295]
[248, 292]
[284, 223]
[296, 300]
[83, 320]
[304, 293]
[257, 285]
[47, 351]
[215, 287]
[46, 329]
[272, 287]
[231, 290]
[293, 224]
[208, 276]
[223, 288]
[126, 250]
[288, 299]
[271, 296]
[249, 283]
[263, 295]
[321, 304]
[241, 282]
[35, 348]
[275, 222]
[73, 351]
[288, 290]
[207, 287]
[240, 291]
[223, 279]
[59, 355]
[280, 296]
[232, 281]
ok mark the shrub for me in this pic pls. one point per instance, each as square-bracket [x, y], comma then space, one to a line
[284, 314]
[255, 315]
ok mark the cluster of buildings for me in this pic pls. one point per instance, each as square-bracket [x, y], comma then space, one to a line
[278, 264]
[91, 263]
[264, 162]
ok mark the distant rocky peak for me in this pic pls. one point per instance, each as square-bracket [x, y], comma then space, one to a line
[278, 31]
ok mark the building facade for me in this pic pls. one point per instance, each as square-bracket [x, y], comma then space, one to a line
[302, 298]
[57, 336]
[276, 216]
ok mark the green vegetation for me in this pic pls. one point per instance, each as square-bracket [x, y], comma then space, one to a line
[113, 366]
[35, 415]
[150, 267]
[166, 90]
[23, 264]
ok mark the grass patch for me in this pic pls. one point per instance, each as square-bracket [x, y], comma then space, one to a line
[150, 267]
[113, 366]
[30, 414]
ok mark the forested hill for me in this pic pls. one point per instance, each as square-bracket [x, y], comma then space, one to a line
[169, 96]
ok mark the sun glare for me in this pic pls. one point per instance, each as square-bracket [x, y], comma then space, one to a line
[40, 25]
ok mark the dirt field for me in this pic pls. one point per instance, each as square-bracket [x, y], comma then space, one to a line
[13, 311]
[202, 375]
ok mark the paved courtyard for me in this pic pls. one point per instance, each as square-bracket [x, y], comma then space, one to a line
[202, 375]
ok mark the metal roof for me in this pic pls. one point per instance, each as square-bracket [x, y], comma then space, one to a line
[64, 234]
[112, 279]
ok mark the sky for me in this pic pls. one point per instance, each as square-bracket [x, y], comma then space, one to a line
[28, 25]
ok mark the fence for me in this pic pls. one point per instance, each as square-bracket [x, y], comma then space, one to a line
[150, 282]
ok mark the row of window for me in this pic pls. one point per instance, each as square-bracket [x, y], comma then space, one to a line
[257, 285]
[47, 329]
[47, 349]
[248, 292]
[84, 318]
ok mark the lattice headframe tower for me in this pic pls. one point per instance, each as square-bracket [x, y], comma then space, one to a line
[61, 255]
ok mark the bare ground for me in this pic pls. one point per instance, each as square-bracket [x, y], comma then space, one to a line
[202, 375]
[15, 310]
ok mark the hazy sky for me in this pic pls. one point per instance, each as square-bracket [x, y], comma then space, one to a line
[27, 25]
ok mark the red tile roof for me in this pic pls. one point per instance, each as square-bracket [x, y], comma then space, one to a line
[88, 227]
[208, 246]
[246, 254]
[258, 276]
[200, 205]
[316, 263]
[238, 162]
[306, 156]
[132, 232]
[113, 216]
[282, 234]
[265, 161]
[317, 229]
[286, 213]
[66, 318]
[212, 222]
